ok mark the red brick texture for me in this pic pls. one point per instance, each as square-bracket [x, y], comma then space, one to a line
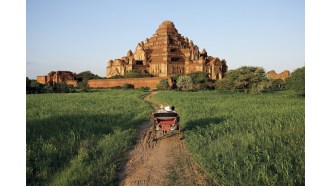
[137, 82]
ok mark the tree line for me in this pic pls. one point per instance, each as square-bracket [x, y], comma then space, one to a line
[247, 79]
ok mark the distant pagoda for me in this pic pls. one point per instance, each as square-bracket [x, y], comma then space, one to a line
[165, 54]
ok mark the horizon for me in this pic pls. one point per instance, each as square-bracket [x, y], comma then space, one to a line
[61, 36]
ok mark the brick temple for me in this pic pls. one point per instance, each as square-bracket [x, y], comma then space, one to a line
[165, 54]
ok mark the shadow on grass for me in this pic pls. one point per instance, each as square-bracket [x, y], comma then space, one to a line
[191, 125]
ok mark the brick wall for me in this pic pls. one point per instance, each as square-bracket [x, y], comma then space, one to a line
[150, 82]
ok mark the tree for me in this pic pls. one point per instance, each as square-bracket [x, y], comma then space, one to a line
[87, 75]
[278, 84]
[296, 81]
[163, 85]
[83, 77]
[245, 79]
[184, 82]
[137, 74]
[199, 77]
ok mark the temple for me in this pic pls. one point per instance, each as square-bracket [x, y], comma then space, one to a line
[165, 54]
[55, 77]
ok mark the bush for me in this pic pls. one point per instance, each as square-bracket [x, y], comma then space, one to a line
[128, 86]
[296, 81]
[184, 82]
[137, 74]
[176, 77]
[62, 88]
[144, 89]
[245, 79]
[278, 84]
[163, 85]
[199, 77]
[117, 77]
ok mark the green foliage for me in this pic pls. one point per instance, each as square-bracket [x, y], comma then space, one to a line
[184, 83]
[163, 85]
[117, 77]
[80, 139]
[245, 79]
[128, 86]
[243, 139]
[278, 84]
[83, 77]
[137, 74]
[199, 77]
[87, 75]
[144, 89]
[296, 81]
[176, 77]
[133, 74]
[61, 88]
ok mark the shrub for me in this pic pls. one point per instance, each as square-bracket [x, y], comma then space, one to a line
[137, 74]
[296, 81]
[117, 77]
[184, 82]
[128, 86]
[144, 89]
[63, 88]
[163, 85]
[199, 77]
[278, 84]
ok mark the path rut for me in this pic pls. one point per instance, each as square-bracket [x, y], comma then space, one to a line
[165, 161]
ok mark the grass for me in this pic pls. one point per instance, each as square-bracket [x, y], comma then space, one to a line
[80, 138]
[243, 139]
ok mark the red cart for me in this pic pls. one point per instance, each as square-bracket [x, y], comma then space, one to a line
[166, 122]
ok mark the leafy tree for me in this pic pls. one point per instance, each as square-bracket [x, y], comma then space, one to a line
[83, 78]
[137, 74]
[87, 75]
[199, 77]
[163, 85]
[184, 82]
[245, 79]
[296, 81]
[278, 84]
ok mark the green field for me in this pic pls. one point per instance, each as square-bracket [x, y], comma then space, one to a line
[80, 138]
[244, 139]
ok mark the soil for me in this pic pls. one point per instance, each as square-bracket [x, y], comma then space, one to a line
[164, 161]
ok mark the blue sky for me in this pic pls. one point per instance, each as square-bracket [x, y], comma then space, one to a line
[83, 35]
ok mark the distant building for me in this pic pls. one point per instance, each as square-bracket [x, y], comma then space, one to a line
[165, 54]
[58, 77]
[283, 75]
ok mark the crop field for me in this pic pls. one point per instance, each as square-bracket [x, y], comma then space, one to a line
[243, 139]
[80, 138]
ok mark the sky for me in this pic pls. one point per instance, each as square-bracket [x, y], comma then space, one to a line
[83, 35]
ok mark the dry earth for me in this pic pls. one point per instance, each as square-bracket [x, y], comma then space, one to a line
[165, 161]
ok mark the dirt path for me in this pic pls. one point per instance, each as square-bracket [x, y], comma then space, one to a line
[162, 162]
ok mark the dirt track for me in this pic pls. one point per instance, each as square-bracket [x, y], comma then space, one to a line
[165, 161]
